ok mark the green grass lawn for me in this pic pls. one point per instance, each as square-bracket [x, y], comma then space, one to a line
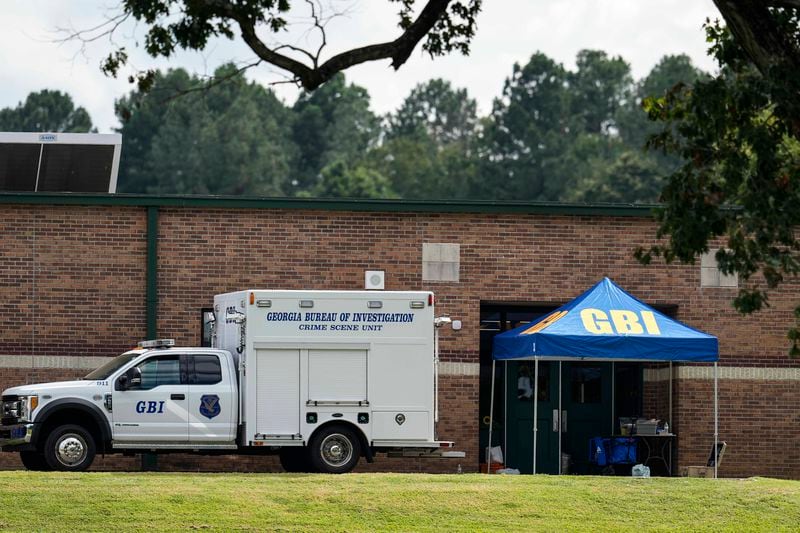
[408, 502]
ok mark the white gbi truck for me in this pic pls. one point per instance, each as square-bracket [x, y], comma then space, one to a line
[319, 377]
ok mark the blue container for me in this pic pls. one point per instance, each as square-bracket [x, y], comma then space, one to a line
[622, 451]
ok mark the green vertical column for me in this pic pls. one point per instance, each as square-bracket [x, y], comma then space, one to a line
[152, 272]
[150, 460]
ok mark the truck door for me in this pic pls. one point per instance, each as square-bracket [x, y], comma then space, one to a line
[212, 402]
[278, 392]
[154, 409]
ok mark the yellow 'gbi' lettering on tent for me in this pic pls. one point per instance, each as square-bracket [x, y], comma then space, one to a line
[622, 322]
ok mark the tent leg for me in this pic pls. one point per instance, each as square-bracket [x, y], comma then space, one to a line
[670, 398]
[560, 413]
[505, 406]
[491, 423]
[535, 408]
[716, 419]
[613, 392]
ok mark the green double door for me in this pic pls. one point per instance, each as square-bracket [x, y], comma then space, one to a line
[586, 411]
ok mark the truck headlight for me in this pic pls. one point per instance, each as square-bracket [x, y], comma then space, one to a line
[27, 404]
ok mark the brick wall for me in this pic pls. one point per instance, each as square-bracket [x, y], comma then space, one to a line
[72, 282]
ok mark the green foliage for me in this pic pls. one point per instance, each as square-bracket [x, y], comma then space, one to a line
[338, 180]
[598, 89]
[737, 135]
[527, 134]
[331, 124]
[634, 125]
[429, 146]
[630, 177]
[418, 168]
[436, 111]
[173, 24]
[48, 111]
[454, 31]
[557, 135]
[232, 138]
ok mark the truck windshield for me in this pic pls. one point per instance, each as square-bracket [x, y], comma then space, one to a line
[112, 366]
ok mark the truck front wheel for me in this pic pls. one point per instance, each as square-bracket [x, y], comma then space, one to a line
[69, 448]
[34, 461]
[335, 450]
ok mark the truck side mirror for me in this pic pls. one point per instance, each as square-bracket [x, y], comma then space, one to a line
[132, 378]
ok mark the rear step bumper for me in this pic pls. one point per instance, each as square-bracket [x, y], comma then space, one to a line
[439, 449]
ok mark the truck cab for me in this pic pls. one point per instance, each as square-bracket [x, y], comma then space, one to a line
[154, 396]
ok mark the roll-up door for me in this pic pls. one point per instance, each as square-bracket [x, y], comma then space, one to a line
[337, 375]
[278, 391]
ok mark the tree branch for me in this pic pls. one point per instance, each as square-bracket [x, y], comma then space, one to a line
[310, 78]
[755, 31]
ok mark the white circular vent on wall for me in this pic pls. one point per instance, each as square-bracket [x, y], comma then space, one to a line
[374, 279]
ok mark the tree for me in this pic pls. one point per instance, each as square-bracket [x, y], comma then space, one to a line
[437, 111]
[599, 88]
[429, 145]
[630, 177]
[232, 139]
[46, 110]
[330, 124]
[553, 128]
[738, 135]
[444, 25]
[632, 121]
[338, 180]
[527, 134]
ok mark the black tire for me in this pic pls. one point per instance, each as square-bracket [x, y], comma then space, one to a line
[335, 450]
[34, 461]
[69, 448]
[295, 459]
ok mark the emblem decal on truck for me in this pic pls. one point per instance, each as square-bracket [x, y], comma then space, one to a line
[400, 419]
[209, 405]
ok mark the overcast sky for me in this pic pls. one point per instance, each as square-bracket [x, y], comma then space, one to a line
[509, 31]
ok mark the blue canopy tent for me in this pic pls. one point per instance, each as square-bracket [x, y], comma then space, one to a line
[604, 324]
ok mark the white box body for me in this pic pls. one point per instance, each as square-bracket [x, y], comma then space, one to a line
[336, 354]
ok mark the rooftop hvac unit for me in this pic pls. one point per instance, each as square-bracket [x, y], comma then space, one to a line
[59, 162]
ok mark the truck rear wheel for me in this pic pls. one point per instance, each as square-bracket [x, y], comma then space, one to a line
[295, 459]
[335, 450]
[34, 461]
[69, 448]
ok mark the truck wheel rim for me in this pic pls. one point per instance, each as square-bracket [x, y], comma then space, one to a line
[70, 449]
[336, 450]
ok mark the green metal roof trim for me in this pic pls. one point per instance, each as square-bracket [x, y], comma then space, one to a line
[329, 204]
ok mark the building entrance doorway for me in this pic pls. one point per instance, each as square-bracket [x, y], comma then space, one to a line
[593, 395]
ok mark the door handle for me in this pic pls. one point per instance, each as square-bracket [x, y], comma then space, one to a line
[564, 421]
[177, 397]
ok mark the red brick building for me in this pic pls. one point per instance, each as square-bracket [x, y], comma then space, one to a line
[83, 278]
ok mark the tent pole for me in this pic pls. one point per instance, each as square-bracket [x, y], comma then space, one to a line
[535, 408]
[560, 425]
[491, 422]
[505, 408]
[716, 419]
[613, 392]
[670, 398]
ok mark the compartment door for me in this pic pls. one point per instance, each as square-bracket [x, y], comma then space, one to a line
[337, 375]
[278, 391]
